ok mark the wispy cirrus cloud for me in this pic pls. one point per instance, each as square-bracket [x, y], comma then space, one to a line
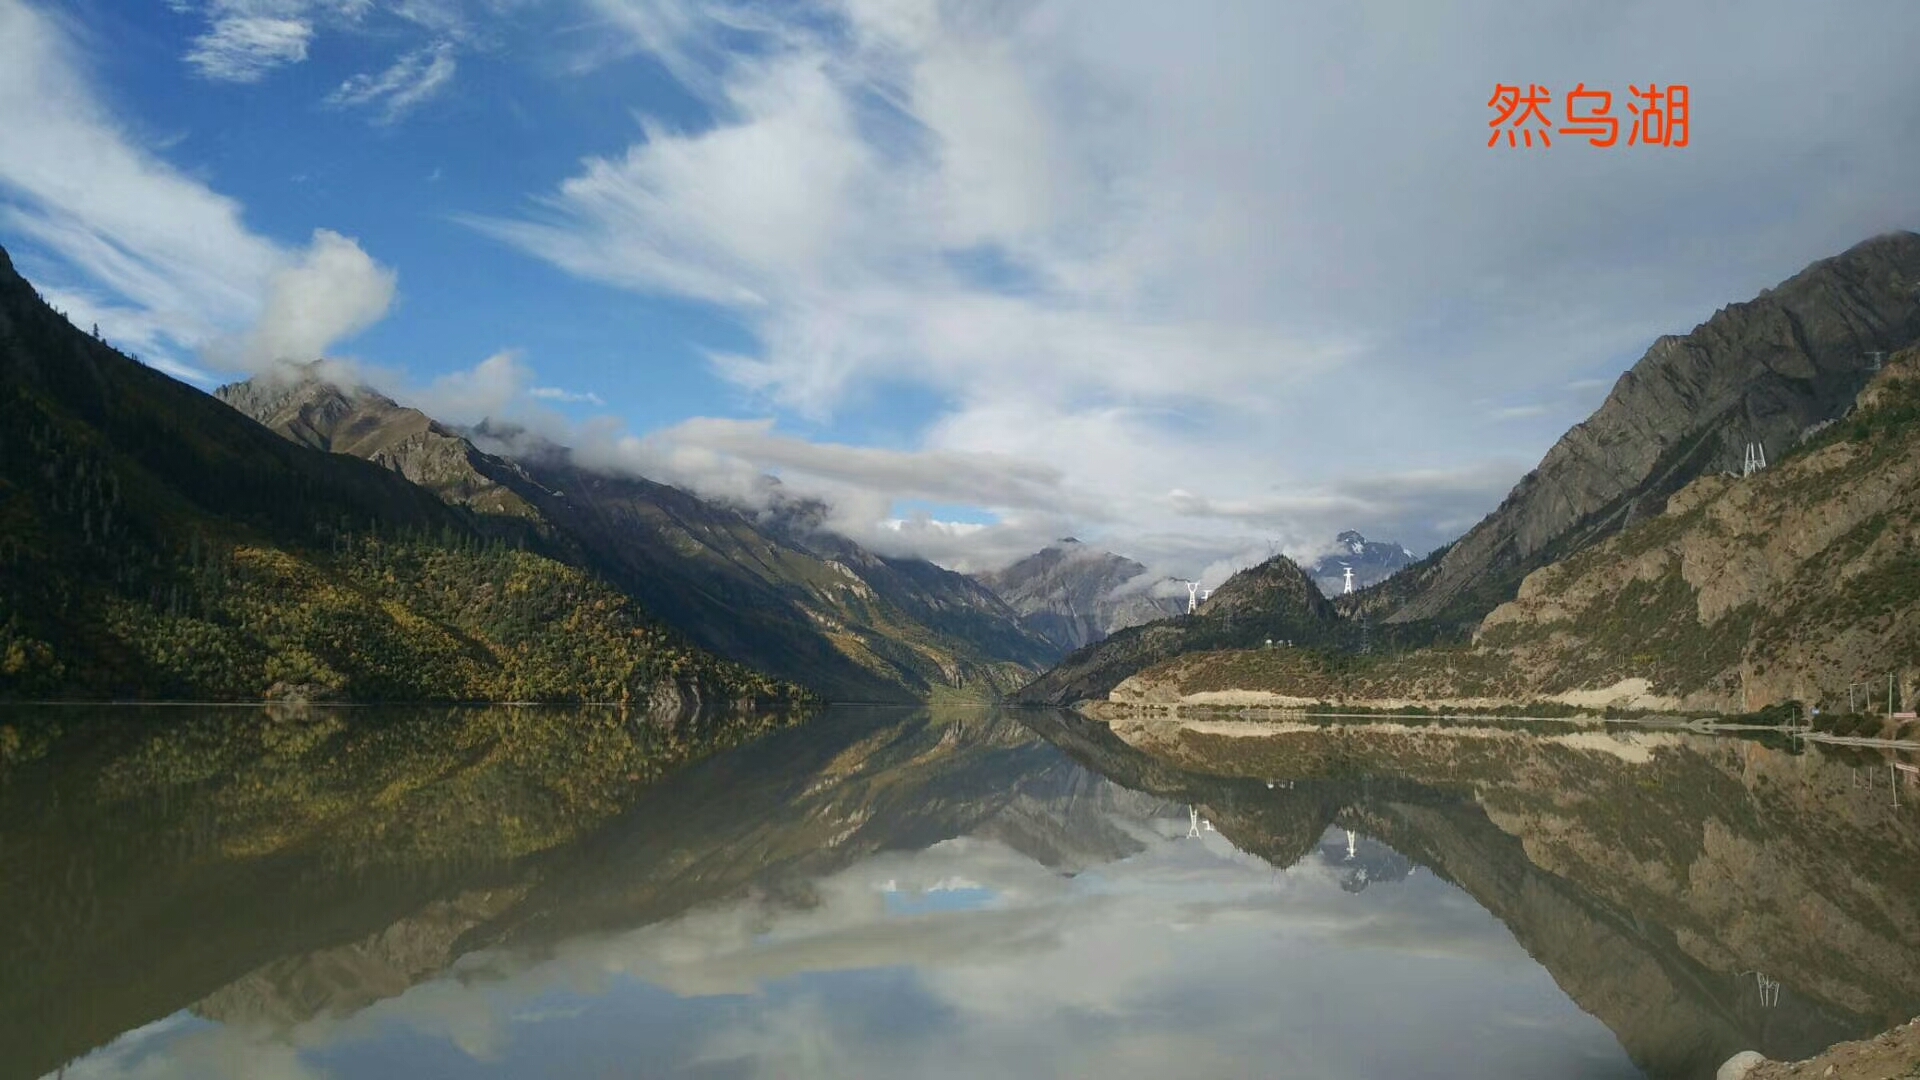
[564, 396]
[245, 40]
[243, 49]
[411, 81]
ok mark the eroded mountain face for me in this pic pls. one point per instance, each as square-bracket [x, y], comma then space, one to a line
[770, 590]
[1074, 595]
[1761, 371]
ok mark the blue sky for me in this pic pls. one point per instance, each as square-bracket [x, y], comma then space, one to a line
[1185, 283]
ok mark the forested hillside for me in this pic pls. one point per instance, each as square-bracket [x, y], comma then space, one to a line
[773, 589]
[155, 543]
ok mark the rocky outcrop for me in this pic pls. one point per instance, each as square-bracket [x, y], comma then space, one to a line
[1074, 595]
[365, 424]
[1762, 371]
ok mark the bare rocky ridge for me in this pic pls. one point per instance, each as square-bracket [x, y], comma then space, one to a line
[770, 590]
[364, 424]
[1761, 371]
[1074, 595]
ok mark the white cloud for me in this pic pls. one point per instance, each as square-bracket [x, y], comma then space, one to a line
[1260, 255]
[1521, 412]
[245, 40]
[408, 83]
[165, 264]
[489, 390]
[334, 291]
[243, 49]
[566, 397]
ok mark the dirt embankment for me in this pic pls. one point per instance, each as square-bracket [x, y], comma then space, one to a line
[1890, 1056]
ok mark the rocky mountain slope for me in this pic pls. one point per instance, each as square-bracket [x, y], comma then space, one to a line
[1372, 562]
[774, 591]
[1073, 595]
[1762, 371]
[1770, 370]
[154, 543]
[1788, 585]
[1275, 600]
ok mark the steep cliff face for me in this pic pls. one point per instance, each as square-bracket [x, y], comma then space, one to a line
[772, 591]
[1761, 371]
[1787, 585]
[1074, 595]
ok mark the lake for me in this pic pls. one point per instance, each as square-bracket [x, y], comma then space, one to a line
[496, 892]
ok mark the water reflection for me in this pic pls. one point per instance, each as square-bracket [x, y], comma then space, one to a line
[909, 893]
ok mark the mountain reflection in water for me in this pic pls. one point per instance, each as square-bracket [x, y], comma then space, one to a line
[886, 892]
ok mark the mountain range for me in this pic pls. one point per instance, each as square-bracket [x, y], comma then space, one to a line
[773, 590]
[1794, 584]
[1372, 561]
[1073, 595]
[1626, 562]
[317, 539]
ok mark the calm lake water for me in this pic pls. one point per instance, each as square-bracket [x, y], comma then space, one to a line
[906, 893]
